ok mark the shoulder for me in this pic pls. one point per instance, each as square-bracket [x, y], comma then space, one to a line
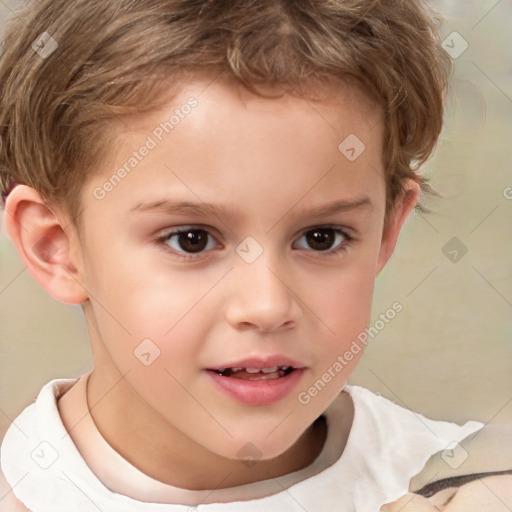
[27, 448]
[387, 445]
[400, 440]
[38, 417]
[403, 424]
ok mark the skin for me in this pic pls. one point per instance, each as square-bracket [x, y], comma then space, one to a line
[492, 494]
[269, 162]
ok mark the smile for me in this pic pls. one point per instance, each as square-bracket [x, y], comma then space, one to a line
[256, 384]
[273, 372]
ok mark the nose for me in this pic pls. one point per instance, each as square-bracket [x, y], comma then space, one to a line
[261, 298]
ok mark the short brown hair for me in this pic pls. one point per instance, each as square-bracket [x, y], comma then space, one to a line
[117, 56]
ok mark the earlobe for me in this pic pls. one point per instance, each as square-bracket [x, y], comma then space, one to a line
[43, 245]
[398, 216]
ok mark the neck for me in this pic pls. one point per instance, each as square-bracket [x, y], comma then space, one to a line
[149, 443]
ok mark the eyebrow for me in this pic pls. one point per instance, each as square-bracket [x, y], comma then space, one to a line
[168, 206]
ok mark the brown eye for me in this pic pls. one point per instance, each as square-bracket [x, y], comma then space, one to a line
[193, 241]
[189, 241]
[320, 239]
[323, 239]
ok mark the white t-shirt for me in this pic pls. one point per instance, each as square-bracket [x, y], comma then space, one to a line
[386, 447]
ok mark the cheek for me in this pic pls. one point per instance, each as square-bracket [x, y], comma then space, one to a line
[343, 301]
[345, 308]
[152, 317]
[141, 291]
[133, 301]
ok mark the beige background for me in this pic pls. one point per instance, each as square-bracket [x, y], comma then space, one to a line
[448, 354]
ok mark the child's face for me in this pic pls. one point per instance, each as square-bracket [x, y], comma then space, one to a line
[258, 286]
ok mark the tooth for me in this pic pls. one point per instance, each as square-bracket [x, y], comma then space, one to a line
[264, 376]
[270, 370]
[252, 370]
[237, 369]
[269, 376]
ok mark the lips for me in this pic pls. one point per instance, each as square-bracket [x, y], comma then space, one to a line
[258, 381]
[259, 368]
[273, 372]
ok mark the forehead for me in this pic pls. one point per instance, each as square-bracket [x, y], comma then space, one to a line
[215, 138]
[341, 106]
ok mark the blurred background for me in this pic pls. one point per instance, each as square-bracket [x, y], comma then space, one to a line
[448, 353]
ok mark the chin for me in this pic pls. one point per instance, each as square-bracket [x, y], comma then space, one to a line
[259, 447]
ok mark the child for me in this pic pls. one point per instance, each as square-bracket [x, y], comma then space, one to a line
[217, 184]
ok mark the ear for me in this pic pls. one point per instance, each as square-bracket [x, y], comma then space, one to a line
[43, 245]
[398, 215]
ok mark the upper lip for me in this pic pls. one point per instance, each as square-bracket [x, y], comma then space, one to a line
[260, 362]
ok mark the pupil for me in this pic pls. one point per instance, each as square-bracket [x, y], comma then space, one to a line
[321, 239]
[192, 241]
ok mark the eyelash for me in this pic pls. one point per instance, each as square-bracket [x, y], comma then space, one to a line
[162, 241]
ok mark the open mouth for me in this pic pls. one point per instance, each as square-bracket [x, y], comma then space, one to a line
[258, 381]
[274, 372]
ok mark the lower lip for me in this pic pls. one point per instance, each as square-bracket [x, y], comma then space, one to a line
[257, 392]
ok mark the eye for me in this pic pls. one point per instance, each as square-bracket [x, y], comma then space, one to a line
[188, 240]
[324, 239]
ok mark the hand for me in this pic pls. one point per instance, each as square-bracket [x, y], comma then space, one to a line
[490, 494]
[415, 503]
